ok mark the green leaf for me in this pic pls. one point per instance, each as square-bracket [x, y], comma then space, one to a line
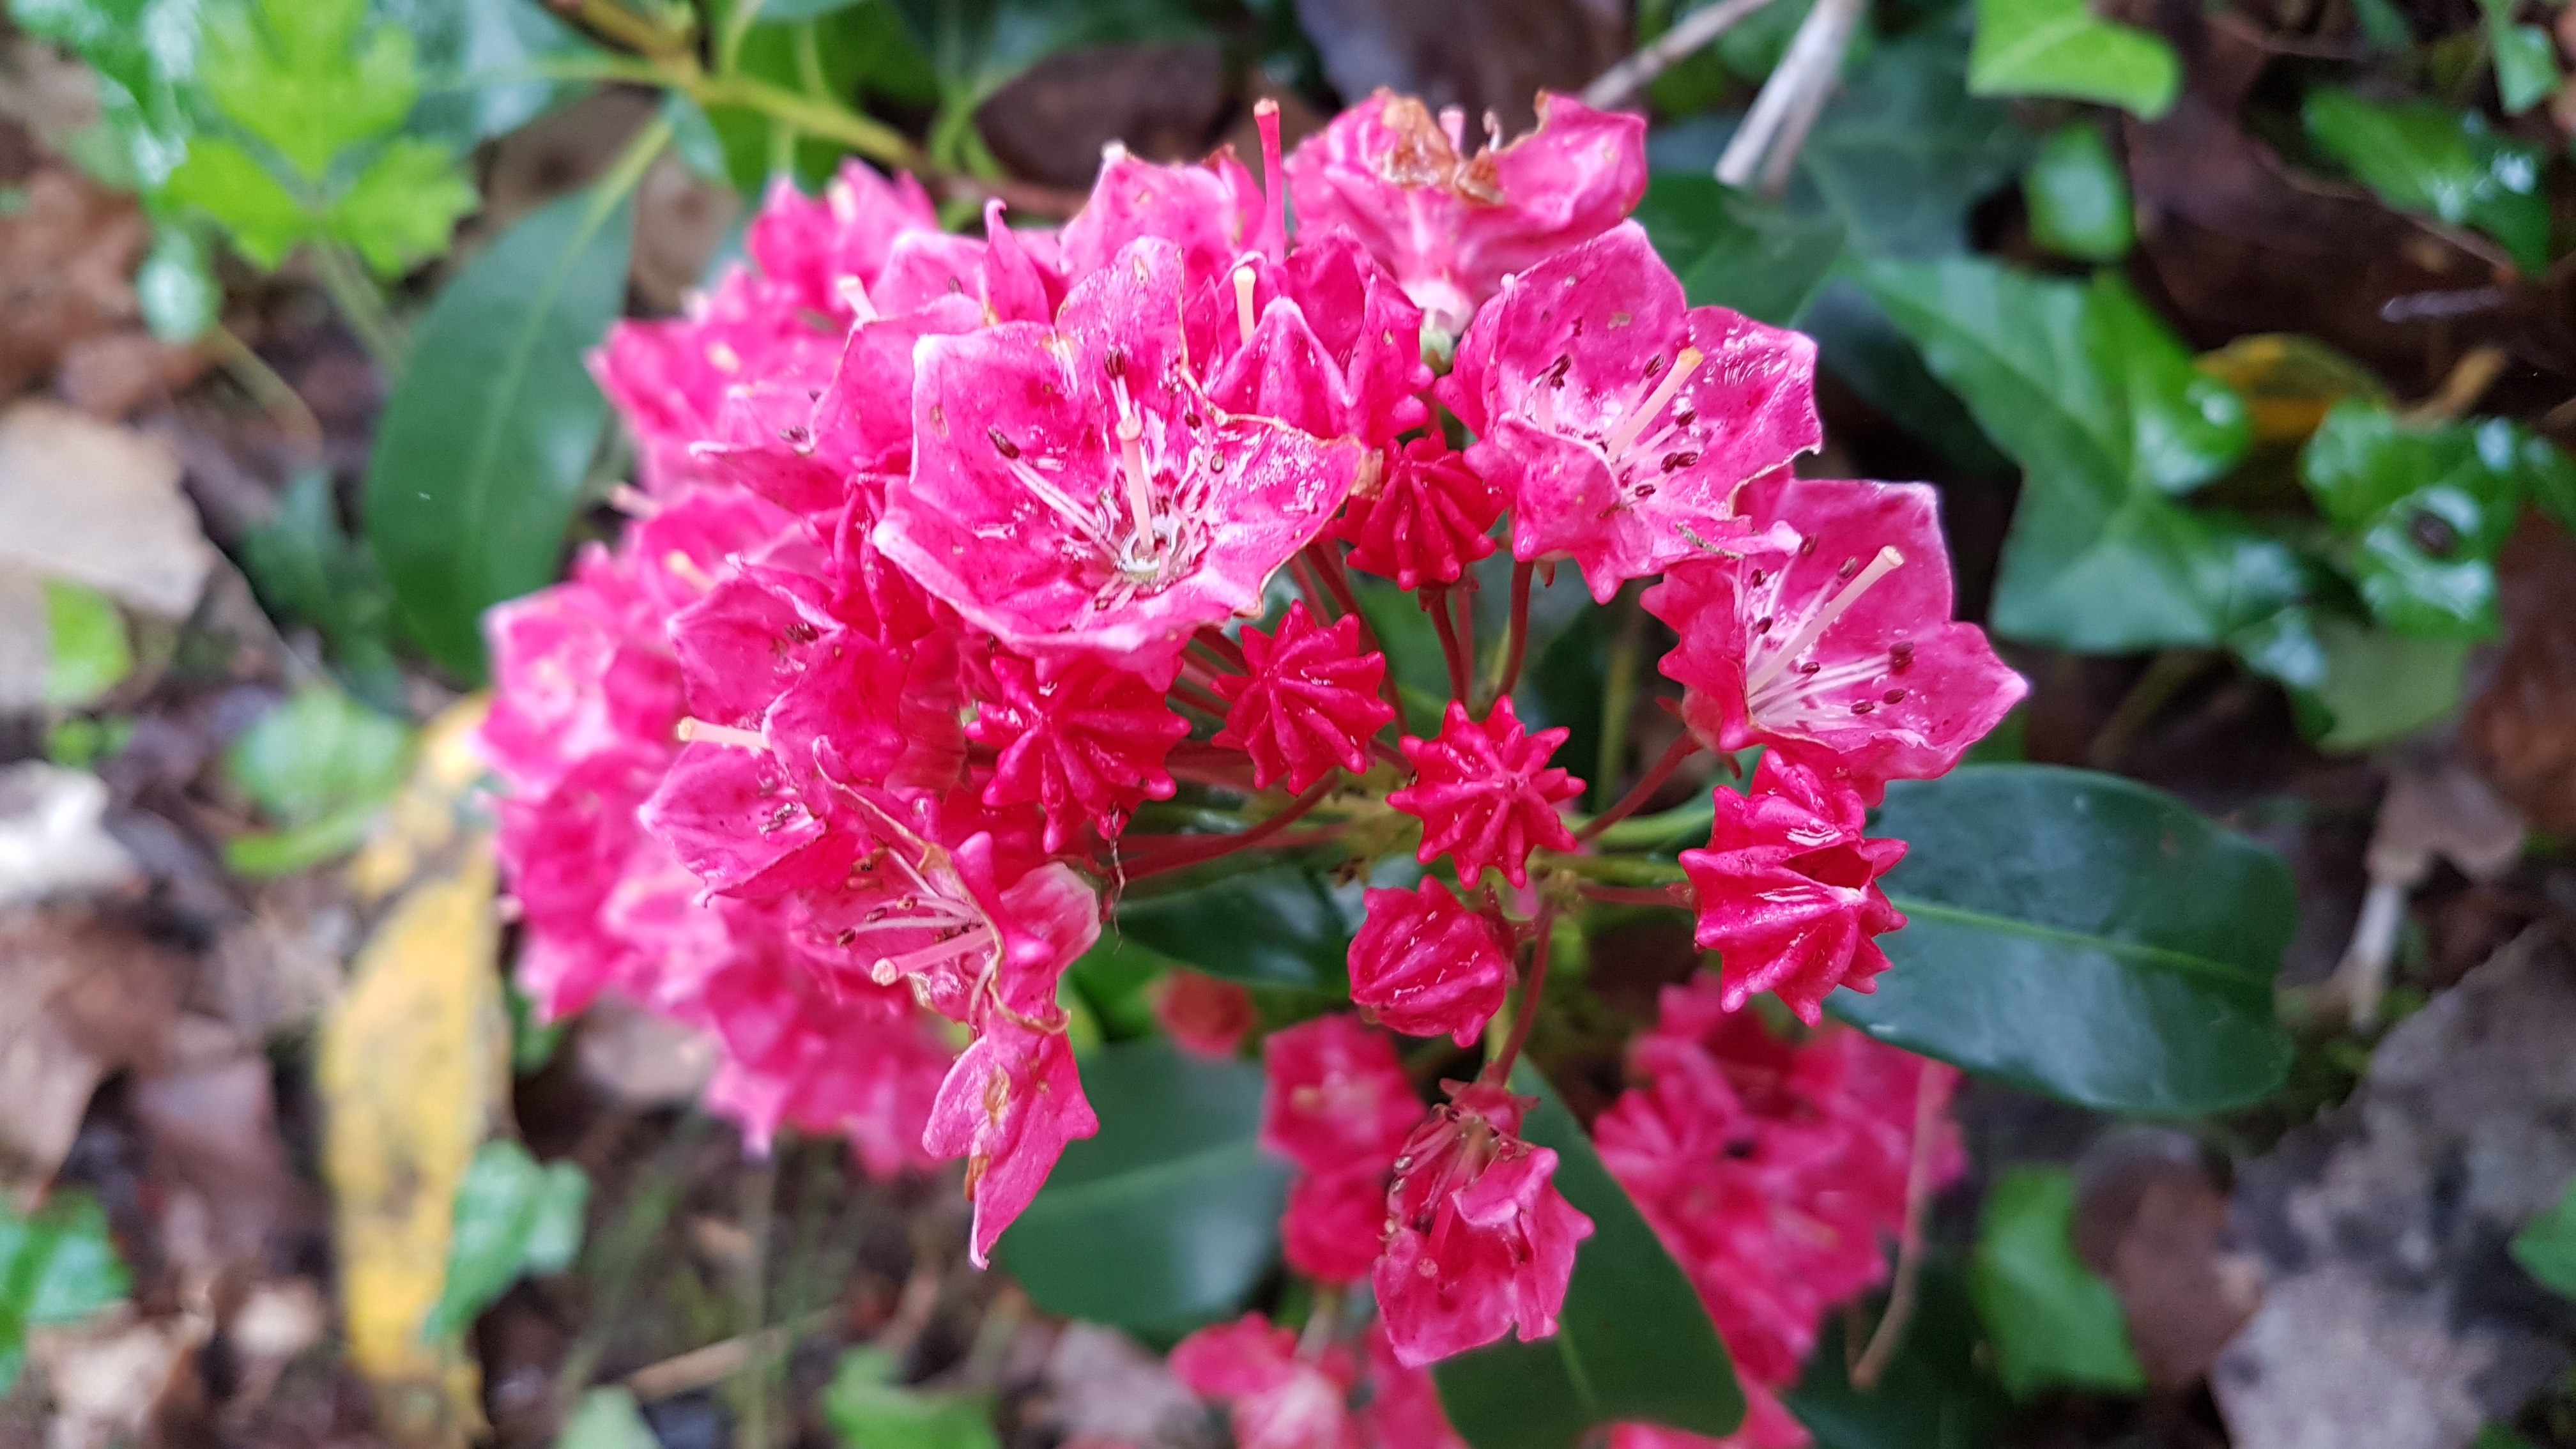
[480, 458]
[299, 75]
[2053, 1322]
[2060, 48]
[2425, 158]
[794, 10]
[1633, 1345]
[2102, 407]
[514, 1218]
[1935, 1394]
[2546, 1246]
[2083, 936]
[482, 61]
[175, 287]
[862, 52]
[2079, 201]
[977, 46]
[867, 1409]
[1275, 926]
[1170, 1216]
[57, 1266]
[2357, 687]
[144, 54]
[400, 210]
[2526, 58]
[89, 653]
[227, 183]
[317, 753]
[1732, 250]
[306, 568]
[2427, 509]
[1904, 150]
[607, 1419]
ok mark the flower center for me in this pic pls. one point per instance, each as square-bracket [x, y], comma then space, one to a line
[1771, 666]
[1624, 434]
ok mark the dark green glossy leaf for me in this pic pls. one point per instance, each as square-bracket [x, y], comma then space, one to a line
[2427, 509]
[1170, 1216]
[1413, 655]
[2104, 410]
[1274, 926]
[2053, 1321]
[2526, 66]
[1904, 150]
[2083, 936]
[57, 1266]
[144, 55]
[1935, 1394]
[480, 457]
[2079, 201]
[2060, 48]
[867, 1409]
[1634, 1343]
[514, 1218]
[978, 45]
[1732, 250]
[2357, 687]
[2425, 158]
[2546, 1246]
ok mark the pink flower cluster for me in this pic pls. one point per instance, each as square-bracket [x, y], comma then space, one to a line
[955, 554]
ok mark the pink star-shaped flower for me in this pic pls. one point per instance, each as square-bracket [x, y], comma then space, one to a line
[1337, 1097]
[1076, 489]
[1428, 519]
[1426, 965]
[1618, 419]
[1788, 889]
[1083, 740]
[1481, 1239]
[1485, 793]
[1837, 649]
[1451, 226]
[1307, 702]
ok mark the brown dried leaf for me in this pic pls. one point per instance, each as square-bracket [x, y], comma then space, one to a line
[2520, 727]
[80, 999]
[99, 505]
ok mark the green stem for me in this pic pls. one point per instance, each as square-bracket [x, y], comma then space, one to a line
[1648, 831]
[1619, 697]
[362, 305]
[1617, 869]
[829, 120]
[738, 25]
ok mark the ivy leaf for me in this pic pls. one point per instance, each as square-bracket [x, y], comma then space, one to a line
[1905, 150]
[56, 1266]
[1634, 1344]
[298, 75]
[515, 1218]
[2079, 201]
[2060, 48]
[1732, 250]
[144, 54]
[2356, 687]
[491, 429]
[2084, 936]
[400, 210]
[2421, 157]
[316, 754]
[2526, 58]
[90, 655]
[867, 1409]
[222, 179]
[2428, 509]
[2051, 1319]
[2102, 407]
[1170, 1216]
[2546, 1246]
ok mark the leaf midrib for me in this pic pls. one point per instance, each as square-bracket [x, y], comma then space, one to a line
[2217, 973]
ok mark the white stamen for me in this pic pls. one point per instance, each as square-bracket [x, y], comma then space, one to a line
[1685, 363]
[854, 295]
[1065, 508]
[1880, 567]
[1243, 302]
[716, 734]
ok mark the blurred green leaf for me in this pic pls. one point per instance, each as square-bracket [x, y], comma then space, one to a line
[482, 63]
[2083, 936]
[2526, 58]
[1170, 1216]
[2053, 1322]
[319, 753]
[867, 1409]
[2425, 158]
[1936, 1392]
[175, 287]
[2357, 687]
[144, 53]
[515, 1218]
[400, 210]
[222, 179]
[2060, 48]
[480, 458]
[56, 1266]
[310, 77]
[1634, 1344]
[1732, 250]
[864, 53]
[2079, 200]
[306, 568]
[1904, 150]
[2110, 420]
[977, 46]
[1273, 926]
[2426, 508]
[793, 10]
[607, 1419]
[2546, 1246]
[90, 655]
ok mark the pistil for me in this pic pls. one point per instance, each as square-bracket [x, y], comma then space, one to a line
[1685, 363]
[1243, 302]
[1886, 562]
[1140, 490]
[692, 730]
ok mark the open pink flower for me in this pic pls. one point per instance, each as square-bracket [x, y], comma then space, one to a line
[1481, 1241]
[1333, 1223]
[1839, 649]
[1618, 419]
[1279, 1399]
[1076, 490]
[1212, 213]
[670, 378]
[815, 247]
[1082, 739]
[1451, 226]
[1427, 520]
[1307, 702]
[1788, 889]
[1426, 965]
[1342, 358]
[1768, 1424]
[1337, 1097]
[1008, 1106]
[1485, 793]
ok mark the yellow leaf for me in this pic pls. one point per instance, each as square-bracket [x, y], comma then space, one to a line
[2289, 382]
[413, 1064]
[427, 816]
